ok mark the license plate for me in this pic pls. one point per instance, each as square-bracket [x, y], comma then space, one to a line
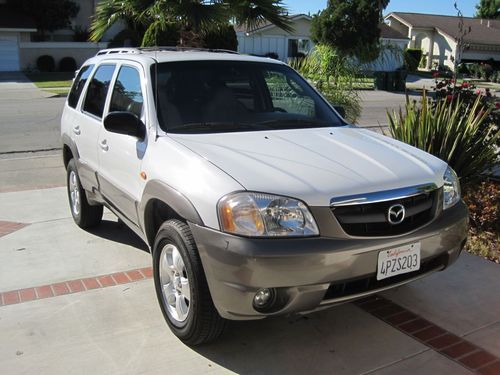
[399, 260]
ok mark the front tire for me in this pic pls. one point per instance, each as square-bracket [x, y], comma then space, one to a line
[84, 215]
[181, 286]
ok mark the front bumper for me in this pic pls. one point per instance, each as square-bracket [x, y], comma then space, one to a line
[308, 272]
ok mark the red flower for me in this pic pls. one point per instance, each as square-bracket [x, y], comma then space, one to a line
[449, 97]
[478, 92]
[497, 104]
[465, 85]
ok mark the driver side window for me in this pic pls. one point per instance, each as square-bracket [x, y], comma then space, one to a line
[287, 95]
[127, 93]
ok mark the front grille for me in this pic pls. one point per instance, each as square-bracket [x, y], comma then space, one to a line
[368, 283]
[371, 219]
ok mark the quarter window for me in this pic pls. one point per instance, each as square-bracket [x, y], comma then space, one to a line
[78, 85]
[127, 93]
[98, 89]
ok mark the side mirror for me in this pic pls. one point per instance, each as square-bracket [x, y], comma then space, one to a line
[340, 110]
[125, 123]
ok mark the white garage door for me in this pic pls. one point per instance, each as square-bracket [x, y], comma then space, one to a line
[9, 55]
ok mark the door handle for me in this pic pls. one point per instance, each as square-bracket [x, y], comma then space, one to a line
[76, 130]
[104, 145]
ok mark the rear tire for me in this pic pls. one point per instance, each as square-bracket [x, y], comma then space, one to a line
[84, 215]
[181, 286]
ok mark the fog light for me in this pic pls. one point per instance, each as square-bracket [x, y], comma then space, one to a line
[263, 298]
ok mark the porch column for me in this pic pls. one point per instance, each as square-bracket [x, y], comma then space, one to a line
[431, 51]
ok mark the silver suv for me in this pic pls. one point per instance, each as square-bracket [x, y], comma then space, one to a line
[253, 194]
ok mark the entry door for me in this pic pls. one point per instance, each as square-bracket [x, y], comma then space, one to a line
[88, 125]
[120, 156]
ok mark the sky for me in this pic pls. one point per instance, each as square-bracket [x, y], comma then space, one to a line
[444, 7]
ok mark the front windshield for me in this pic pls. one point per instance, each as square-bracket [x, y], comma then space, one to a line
[229, 96]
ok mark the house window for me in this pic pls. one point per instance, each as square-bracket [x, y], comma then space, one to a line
[298, 47]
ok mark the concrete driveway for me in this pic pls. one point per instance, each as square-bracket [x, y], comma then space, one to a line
[82, 302]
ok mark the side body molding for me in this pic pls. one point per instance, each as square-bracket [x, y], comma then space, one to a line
[158, 190]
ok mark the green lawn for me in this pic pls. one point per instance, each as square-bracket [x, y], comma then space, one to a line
[58, 91]
[52, 79]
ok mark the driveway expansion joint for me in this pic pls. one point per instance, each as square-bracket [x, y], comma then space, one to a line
[74, 286]
[451, 346]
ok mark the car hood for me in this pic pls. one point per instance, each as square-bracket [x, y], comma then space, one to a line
[315, 165]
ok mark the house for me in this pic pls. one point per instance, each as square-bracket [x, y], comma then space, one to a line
[437, 37]
[393, 44]
[19, 51]
[268, 39]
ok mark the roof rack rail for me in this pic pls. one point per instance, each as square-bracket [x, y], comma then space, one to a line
[185, 49]
[109, 51]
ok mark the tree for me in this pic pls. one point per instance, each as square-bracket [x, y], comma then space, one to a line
[49, 15]
[194, 18]
[489, 9]
[350, 26]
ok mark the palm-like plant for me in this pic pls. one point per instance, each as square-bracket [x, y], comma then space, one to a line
[443, 130]
[193, 17]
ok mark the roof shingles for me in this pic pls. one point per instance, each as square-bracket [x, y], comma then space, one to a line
[481, 31]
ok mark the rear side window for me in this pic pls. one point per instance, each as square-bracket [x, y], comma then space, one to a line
[127, 93]
[78, 84]
[98, 89]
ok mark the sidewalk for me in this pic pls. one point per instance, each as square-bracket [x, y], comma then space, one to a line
[15, 85]
[446, 323]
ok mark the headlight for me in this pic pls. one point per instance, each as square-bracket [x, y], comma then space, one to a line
[451, 189]
[265, 215]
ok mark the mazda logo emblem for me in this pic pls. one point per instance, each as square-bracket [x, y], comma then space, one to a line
[396, 214]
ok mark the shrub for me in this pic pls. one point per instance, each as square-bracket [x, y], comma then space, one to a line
[334, 75]
[130, 38]
[443, 129]
[412, 57]
[486, 71]
[475, 70]
[67, 64]
[463, 69]
[45, 63]
[221, 37]
[80, 34]
[467, 93]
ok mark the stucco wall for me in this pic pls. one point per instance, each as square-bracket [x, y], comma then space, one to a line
[444, 46]
[396, 25]
[29, 52]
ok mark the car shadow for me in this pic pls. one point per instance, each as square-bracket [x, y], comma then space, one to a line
[340, 340]
[117, 231]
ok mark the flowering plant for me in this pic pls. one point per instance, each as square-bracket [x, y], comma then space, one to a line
[466, 92]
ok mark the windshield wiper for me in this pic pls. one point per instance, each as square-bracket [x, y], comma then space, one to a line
[208, 127]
